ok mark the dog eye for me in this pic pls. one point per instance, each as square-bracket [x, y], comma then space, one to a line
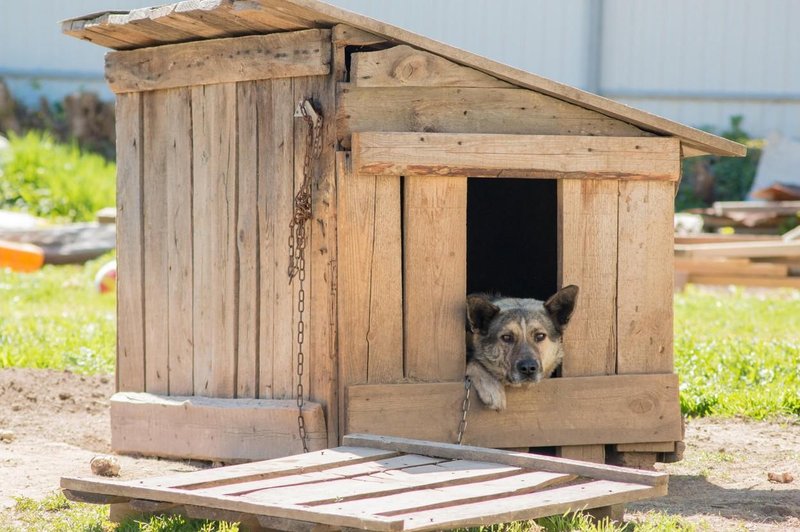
[507, 338]
[539, 337]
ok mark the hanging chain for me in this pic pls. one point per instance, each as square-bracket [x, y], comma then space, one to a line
[297, 246]
[462, 427]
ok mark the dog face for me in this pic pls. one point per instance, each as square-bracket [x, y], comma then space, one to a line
[517, 341]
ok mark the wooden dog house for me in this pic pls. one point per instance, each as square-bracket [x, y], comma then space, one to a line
[440, 172]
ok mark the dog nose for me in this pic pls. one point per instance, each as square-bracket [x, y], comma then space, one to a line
[528, 366]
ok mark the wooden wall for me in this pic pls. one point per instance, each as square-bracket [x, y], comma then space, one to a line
[206, 183]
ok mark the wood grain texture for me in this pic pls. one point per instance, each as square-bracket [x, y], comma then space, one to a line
[587, 228]
[645, 277]
[467, 110]
[322, 262]
[739, 249]
[434, 277]
[566, 411]
[176, 136]
[130, 289]
[275, 197]
[280, 55]
[370, 278]
[404, 66]
[247, 238]
[543, 156]
[214, 220]
[587, 225]
[157, 150]
[203, 428]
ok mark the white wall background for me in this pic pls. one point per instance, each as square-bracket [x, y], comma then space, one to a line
[697, 62]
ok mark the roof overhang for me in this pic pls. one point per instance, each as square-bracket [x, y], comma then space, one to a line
[205, 19]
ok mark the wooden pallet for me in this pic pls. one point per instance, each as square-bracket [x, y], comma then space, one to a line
[383, 483]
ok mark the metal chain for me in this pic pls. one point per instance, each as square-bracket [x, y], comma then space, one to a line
[462, 427]
[297, 246]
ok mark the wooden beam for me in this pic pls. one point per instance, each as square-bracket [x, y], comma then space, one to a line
[279, 55]
[404, 66]
[130, 241]
[741, 280]
[226, 430]
[565, 411]
[537, 156]
[738, 267]
[467, 110]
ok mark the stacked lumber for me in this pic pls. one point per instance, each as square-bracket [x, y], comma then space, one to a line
[748, 260]
[757, 217]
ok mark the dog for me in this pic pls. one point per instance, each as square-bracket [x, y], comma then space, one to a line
[514, 342]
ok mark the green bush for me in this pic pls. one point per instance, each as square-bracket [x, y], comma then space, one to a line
[56, 181]
[713, 178]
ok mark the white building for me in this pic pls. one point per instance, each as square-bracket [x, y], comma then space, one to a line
[694, 61]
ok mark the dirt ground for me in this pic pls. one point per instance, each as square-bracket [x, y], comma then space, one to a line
[60, 421]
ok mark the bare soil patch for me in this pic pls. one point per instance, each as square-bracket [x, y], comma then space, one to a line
[60, 420]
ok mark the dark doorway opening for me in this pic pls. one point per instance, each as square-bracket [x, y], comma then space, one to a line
[512, 237]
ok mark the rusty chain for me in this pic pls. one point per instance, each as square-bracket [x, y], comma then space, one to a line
[297, 246]
[462, 427]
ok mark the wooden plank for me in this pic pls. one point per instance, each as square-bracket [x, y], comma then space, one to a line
[214, 221]
[276, 197]
[344, 35]
[566, 411]
[234, 504]
[740, 249]
[279, 55]
[738, 267]
[93, 498]
[130, 278]
[404, 66]
[708, 238]
[434, 277]
[157, 130]
[370, 278]
[523, 460]
[322, 259]
[653, 447]
[386, 482]
[524, 507]
[645, 277]
[247, 239]
[204, 428]
[467, 110]
[587, 225]
[274, 486]
[542, 156]
[767, 282]
[432, 498]
[585, 453]
[175, 129]
[233, 474]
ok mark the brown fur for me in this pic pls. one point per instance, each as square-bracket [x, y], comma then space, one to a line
[514, 342]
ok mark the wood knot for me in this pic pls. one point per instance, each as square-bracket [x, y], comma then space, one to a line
[641, 404]
[410, 69]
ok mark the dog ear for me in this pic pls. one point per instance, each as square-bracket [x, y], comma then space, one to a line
[480, 312]
[561, 304]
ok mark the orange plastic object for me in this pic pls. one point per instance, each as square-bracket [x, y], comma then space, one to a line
[20, 257]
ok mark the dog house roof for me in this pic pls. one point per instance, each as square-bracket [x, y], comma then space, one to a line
[193, 20]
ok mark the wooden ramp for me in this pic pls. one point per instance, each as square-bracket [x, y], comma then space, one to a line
[382, 483]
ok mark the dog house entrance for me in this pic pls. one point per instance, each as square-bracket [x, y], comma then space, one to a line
[512, 237]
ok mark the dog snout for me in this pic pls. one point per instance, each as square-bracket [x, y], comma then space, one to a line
[528, 367]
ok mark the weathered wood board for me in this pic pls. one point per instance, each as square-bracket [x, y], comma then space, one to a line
[380, 483]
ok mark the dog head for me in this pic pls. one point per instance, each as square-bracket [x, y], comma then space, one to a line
[518, 341]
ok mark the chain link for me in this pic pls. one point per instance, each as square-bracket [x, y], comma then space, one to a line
[462, 427]
[297, 247]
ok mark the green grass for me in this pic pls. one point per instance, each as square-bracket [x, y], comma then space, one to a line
[56, 181]
[56, 514]
[54, 318]
[738, 354]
